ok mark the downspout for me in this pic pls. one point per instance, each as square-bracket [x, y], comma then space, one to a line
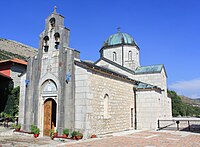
[135, 106]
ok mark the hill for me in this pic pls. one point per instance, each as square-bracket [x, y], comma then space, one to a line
[12, 49]
[183, 106]
[187, 100]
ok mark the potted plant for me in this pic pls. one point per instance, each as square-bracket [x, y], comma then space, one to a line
[51, 134]
[73, 134]
[56, 133]
[35, 130]
[79, 136]
[93, 136]
[17, 127]
[65, 133]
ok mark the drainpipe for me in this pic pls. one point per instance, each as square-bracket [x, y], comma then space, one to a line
[134, 91]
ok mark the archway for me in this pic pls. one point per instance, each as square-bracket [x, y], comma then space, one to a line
[49, 116]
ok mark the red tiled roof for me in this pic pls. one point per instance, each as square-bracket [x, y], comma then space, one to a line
[3, 75]
[15, 60]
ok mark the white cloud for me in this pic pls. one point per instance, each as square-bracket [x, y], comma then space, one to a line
[189, 88]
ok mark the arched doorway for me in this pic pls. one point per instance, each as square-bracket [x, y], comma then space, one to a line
[49, 116]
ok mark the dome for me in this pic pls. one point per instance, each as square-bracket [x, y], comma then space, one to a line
[118, 38]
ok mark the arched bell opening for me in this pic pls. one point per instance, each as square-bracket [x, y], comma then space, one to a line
[57, 40]
[46, 43]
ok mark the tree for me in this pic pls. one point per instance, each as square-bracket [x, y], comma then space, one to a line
[12, 105]
[180, 108]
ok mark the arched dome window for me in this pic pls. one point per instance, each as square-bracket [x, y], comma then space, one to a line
[46, 43]
[114, 56]
[130, 55]
[57, 40]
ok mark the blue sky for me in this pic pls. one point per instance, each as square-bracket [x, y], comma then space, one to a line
[167, 31]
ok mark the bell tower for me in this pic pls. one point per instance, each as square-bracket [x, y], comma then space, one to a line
[51, 39]
[51, 76]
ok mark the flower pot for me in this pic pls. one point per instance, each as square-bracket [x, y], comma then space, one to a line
[78, 137]
[94, 136]
[65, 135]
[17, 129]
[55, 134]
[73, 137]
[35, 135]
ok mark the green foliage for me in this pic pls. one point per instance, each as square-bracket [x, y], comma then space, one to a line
[35, 129]
[5, 55]
[66, 131]
[16, 126]
[51, 133]
[181, 109]
[12, 105]
[79, 134]
[74, 133]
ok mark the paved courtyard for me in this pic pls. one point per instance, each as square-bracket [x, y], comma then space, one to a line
[128, 139]
[146, 139]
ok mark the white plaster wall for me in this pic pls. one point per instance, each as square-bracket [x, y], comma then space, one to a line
[15, 71]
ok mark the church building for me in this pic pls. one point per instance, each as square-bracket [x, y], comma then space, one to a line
[113, 94]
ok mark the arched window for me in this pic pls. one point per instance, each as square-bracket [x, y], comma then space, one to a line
[130, 55]
[46, 43]
[114, 56]
[106, 102]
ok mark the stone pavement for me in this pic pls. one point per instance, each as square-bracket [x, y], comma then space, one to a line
[127, 138]
[145, 139]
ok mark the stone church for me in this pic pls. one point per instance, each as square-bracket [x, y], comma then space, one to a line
[113, 94]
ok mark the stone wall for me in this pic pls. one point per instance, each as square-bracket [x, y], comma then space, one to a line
[148, 109]
[22, 100]
[120, 102]
[156, 79]
[82, 94]
[89, 101]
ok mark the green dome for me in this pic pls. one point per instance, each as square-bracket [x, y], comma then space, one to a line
[118, 38]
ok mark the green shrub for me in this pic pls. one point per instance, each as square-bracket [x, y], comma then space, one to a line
[74, 133]
[66, 131]
[35, 129]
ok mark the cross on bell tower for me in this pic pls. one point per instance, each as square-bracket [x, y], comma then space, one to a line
[54, 9]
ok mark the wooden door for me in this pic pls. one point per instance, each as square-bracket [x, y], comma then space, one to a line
[47, 117]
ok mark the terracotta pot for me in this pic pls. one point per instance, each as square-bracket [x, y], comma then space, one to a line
[55, 134]
[94, 136]
[73, 137]
[78, 137]
[35, 135]
[18, 129]
[65, 135]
